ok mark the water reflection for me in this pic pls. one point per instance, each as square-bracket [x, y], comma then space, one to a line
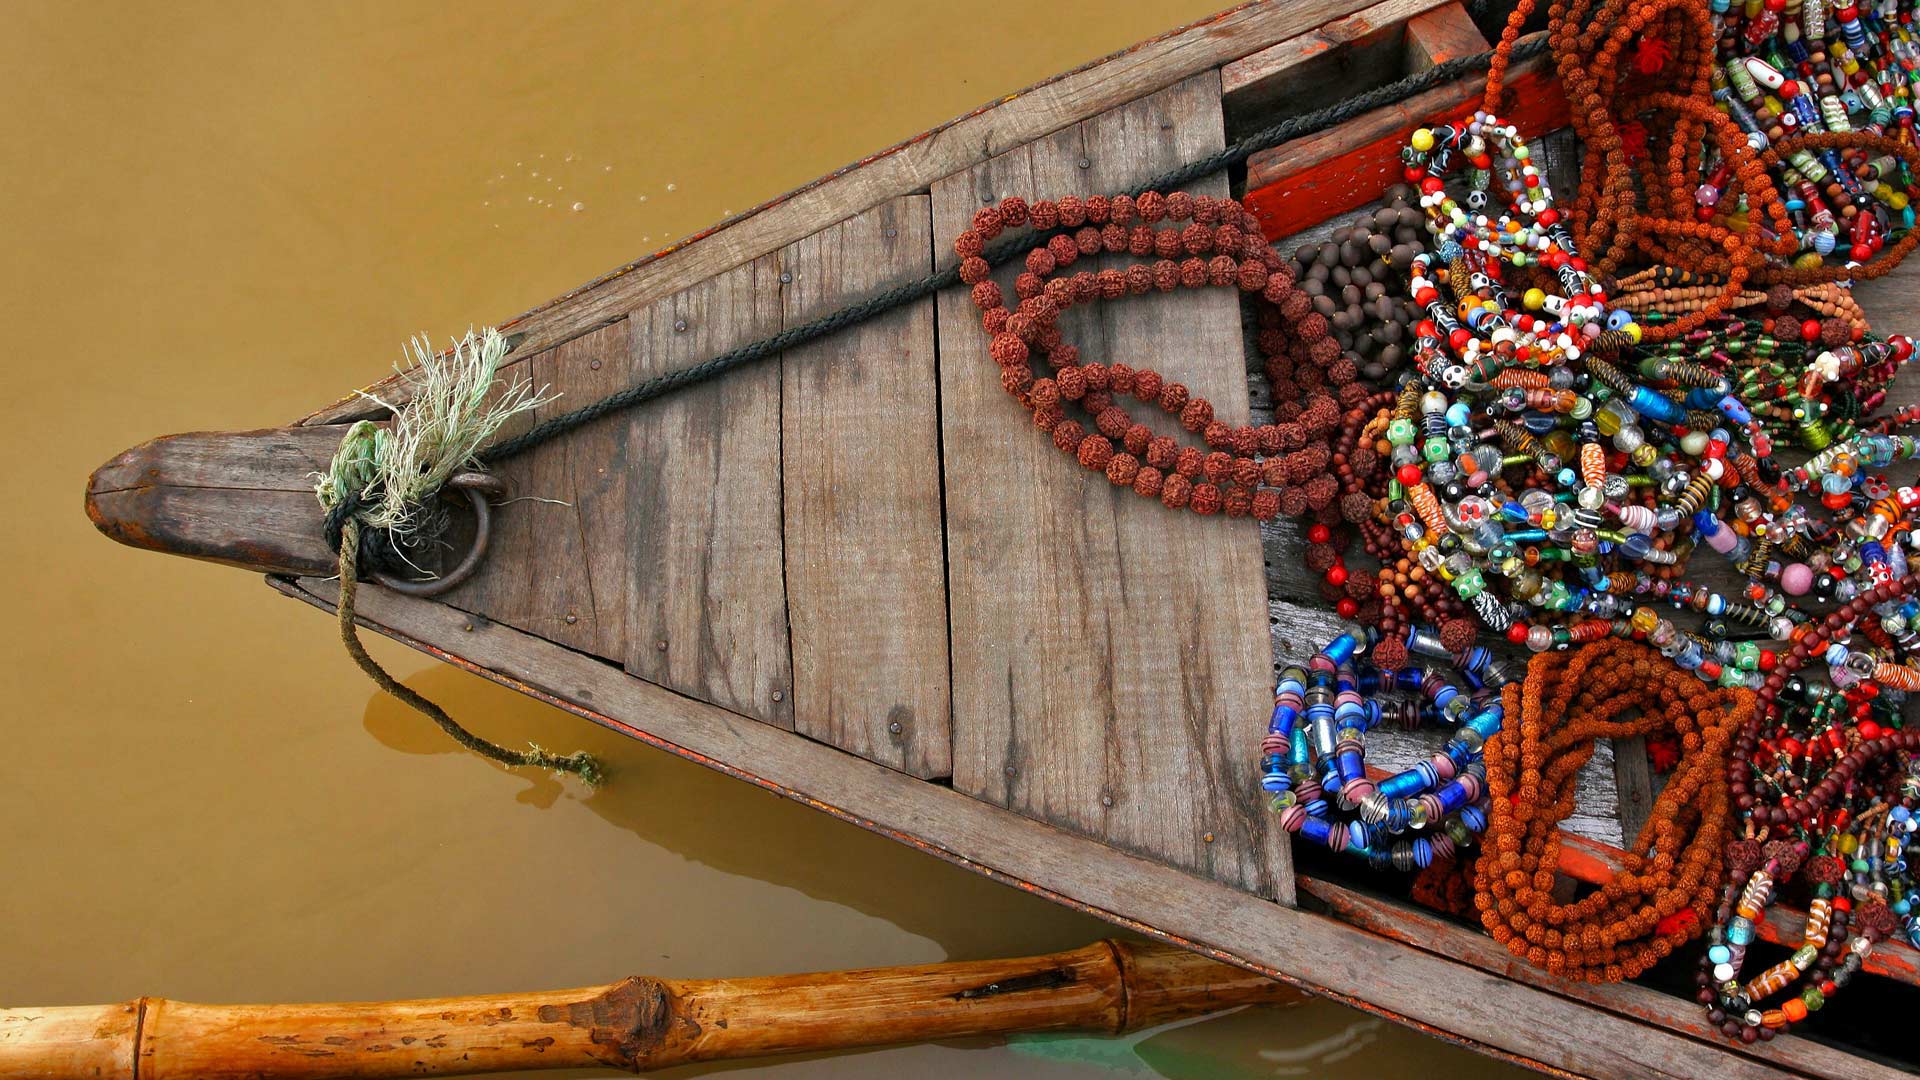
[670, 809]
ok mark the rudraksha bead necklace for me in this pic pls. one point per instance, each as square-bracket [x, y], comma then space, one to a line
[1246, 469]
[1663, 893]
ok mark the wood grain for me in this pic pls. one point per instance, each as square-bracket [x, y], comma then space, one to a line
[1444, 33]
[706, 595]
[272, 459]
[639, 1024]
[1109, 674]
[1358, 52]
[865, 557]
[1444, 996]
[903, 169]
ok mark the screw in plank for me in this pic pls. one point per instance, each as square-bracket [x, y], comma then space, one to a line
[893, 232]
[1086, 164]
[1106, 800]
[467, 627]
[572, 618]
[894, 727]
[661, 645]
[786, 277]
[594, 364]
[679, 326]
[779, 695]
[1208, 838]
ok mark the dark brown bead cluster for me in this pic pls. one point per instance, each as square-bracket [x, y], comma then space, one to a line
[1354, 279]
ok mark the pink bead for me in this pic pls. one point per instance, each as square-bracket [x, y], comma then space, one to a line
[1293, 817]
[1796, 579]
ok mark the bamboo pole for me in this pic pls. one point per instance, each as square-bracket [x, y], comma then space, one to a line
[638, 1024]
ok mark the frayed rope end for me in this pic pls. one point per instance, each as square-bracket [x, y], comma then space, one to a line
[579, 763]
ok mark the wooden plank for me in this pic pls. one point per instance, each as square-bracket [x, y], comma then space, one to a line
[865, 561]
[1298, 184]
[1442, 34]
[902, 169]
[507, 585]
[1442, 996]
[574, 503]
[706, 596]
[1363, 50]
[1633, 782]
[1109, 669]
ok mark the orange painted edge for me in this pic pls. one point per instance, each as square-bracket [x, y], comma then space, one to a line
[1339, 183]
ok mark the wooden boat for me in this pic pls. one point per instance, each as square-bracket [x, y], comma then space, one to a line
[854, 576]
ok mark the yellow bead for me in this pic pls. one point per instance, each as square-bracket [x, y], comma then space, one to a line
[1423, 139]
[1633, 332]
[1534, 299]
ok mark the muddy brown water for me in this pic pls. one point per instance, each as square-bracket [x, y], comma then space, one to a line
[221, 216]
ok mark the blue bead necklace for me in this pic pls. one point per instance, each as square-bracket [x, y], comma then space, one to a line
[1313, 759]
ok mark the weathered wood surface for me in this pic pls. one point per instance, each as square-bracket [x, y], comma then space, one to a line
[1444, 33]
[903, 169]
[637, 1024]
[865, 557]
[1444, 996]
[1633, 783]
[1107, 661]
[239, 497]
[558, 536]
[1366, 48]
[706, 595]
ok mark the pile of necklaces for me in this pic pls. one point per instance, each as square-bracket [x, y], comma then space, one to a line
[1532, 417]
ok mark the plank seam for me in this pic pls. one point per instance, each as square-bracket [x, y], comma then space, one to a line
[940, 470]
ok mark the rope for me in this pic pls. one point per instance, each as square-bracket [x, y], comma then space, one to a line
[911, 291]
[580, 764]
[360, 463]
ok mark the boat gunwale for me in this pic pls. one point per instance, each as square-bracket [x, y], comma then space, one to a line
[1780, 1055]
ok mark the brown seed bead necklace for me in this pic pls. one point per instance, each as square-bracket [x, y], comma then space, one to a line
[1244, 470]
[1662, 895]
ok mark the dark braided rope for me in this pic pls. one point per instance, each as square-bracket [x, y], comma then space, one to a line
[908, 292]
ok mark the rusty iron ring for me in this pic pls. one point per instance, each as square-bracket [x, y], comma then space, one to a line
[477, 487]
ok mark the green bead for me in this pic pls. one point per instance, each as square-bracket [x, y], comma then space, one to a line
[1813, 997]
[1401, 432]
[1436, 449]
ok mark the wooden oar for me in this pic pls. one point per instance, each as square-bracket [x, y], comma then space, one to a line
[637, 1024]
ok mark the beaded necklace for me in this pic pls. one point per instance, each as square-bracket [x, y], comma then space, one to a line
[1828, 781]
[1313, 759]
[1258, 470]
[1663, 893]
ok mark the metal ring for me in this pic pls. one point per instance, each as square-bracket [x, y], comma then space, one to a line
[477, 487]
